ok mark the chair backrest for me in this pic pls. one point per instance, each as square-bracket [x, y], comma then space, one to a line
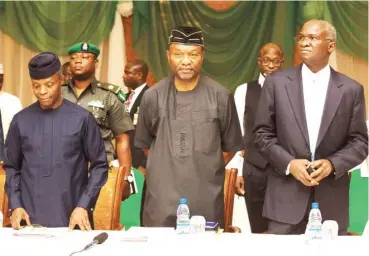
[3, 199]
[107, 209]
[229, 192]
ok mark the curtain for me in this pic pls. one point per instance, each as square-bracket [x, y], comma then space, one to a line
[233, 37]
[55, 26]
[15, 57]
[349, 18]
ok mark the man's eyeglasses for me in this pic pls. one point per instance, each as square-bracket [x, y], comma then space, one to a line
[309, 38]
[276, 62]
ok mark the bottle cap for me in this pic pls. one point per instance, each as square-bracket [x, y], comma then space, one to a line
[183, 200]
[315, 205]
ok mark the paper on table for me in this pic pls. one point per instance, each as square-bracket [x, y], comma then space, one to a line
[38, 232]
[143, 234]
[151, 230]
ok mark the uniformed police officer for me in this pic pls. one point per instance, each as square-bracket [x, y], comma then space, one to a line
[105, 101]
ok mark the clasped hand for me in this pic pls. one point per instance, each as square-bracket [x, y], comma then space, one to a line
[299, 170]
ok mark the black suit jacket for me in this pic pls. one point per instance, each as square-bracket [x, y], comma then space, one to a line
[138, 156]
[281, 135]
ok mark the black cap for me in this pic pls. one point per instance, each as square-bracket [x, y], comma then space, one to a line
[43, 65]
[187, 35]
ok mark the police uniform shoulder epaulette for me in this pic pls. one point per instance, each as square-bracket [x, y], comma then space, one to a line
[114, 89]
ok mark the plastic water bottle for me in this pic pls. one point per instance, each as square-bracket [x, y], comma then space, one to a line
[1, 219]
[183, 217]
[314, 229]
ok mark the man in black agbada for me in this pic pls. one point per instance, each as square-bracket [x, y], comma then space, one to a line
[189, 128]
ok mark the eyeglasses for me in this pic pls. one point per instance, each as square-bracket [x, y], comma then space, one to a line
[309, 38]
[276, 62]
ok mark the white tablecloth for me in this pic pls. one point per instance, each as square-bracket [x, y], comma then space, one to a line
[65, 242]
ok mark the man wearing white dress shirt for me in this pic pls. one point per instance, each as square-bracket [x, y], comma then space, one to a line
[252, 169]
[9, 105]
[310, 116]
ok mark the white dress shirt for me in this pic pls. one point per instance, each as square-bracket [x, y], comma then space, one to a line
[315, 87]
[240, 101]
[9, 106]
[137, 92]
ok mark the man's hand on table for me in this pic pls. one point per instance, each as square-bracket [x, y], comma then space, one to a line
[19, 214]
[79, 217]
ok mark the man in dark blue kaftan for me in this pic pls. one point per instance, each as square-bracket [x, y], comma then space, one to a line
[49, 147]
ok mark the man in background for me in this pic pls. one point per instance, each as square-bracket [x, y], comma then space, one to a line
[252, 167]
[65, 72]
[135, 74]
[9, 105]
[106, 102]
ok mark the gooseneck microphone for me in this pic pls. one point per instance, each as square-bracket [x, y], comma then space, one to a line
[99, 239]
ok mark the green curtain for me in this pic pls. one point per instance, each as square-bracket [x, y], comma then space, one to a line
[55, 26]
[233, 37]
[349, 18]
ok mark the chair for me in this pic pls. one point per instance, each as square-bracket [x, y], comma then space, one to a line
[352, 233]
[107, 209]
[229, 192]
[3, 198]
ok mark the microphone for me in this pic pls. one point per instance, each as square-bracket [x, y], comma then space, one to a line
[99, 239]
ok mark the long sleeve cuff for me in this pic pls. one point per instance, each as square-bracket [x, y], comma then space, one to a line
[133, 184]
[15, 202]
[85, 202]
[288, 169]
[236, 162]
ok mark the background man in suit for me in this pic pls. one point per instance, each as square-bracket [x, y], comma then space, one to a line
[135, 74]
[253, 169]
[310, 113]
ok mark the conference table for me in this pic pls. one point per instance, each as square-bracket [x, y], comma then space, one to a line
[60, 241]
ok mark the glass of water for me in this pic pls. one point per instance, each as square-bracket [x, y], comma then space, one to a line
[197, 224]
